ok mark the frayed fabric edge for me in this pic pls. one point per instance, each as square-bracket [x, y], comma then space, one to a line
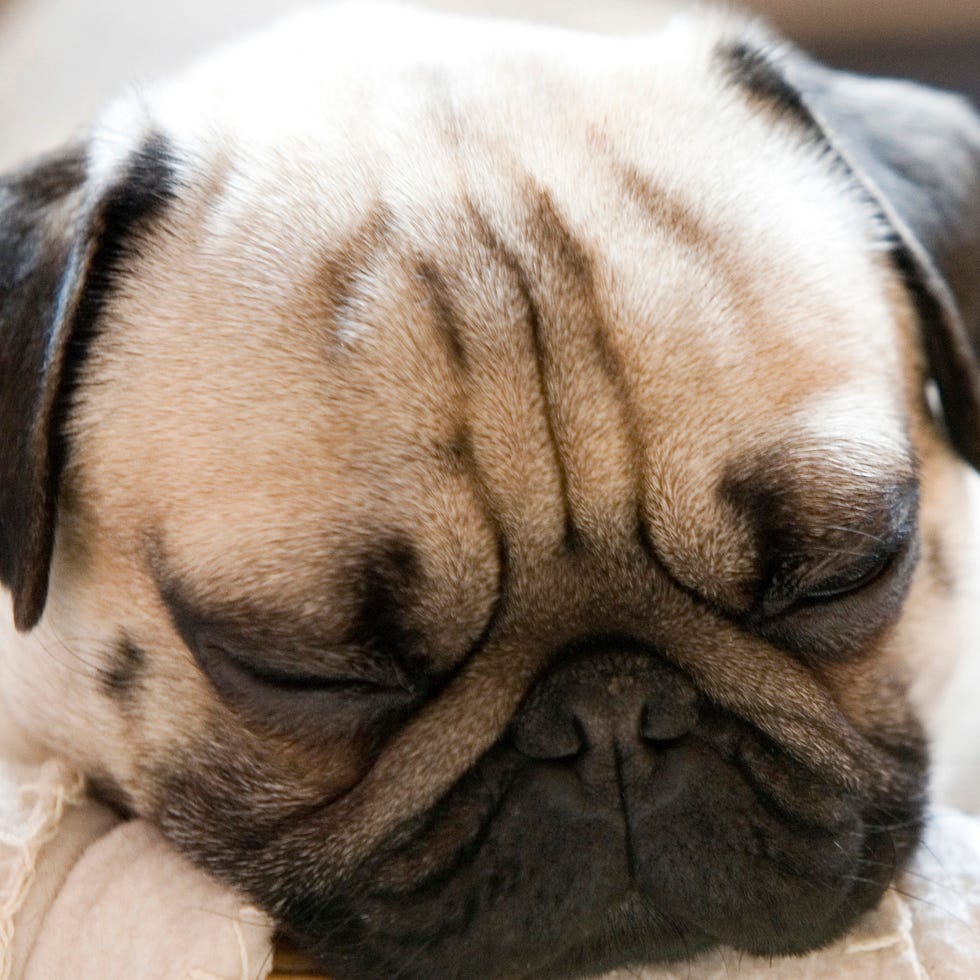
[32, 804]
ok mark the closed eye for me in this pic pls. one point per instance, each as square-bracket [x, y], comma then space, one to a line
[820, 616]
[327, 701]
[851, 580]
[279, 673]
[369, 678]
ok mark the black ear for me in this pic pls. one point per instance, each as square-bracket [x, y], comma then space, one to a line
[62, 244]
[916, 152]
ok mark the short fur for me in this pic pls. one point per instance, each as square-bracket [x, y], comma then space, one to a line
[474, 486]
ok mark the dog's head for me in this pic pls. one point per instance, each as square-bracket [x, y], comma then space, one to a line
[474, 486]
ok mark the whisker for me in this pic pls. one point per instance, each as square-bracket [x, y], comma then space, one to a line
[854, 531]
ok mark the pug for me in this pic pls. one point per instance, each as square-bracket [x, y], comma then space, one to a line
[493, 494]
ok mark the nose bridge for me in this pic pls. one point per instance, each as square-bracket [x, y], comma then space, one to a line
[606, 702]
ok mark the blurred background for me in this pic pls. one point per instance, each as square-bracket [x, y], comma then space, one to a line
[60, 60]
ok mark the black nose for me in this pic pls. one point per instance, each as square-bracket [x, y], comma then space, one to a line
[611, 699]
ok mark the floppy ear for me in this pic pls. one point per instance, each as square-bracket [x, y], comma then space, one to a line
[62, 243]
[916, 151]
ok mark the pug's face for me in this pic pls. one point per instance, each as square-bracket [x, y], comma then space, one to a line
[478, 494]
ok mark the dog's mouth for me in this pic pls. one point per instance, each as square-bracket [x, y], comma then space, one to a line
[527, 871]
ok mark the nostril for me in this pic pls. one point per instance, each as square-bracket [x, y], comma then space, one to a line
[666, 723]
[549, 736]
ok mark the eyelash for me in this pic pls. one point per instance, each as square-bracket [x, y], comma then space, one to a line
[337, 682]
[845, 584]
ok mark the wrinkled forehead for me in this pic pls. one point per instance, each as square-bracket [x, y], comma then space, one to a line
[364, 274]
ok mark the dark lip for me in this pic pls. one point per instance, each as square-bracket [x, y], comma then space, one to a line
[611, 946]
[602, 950]
[632, 932]
[603, 947]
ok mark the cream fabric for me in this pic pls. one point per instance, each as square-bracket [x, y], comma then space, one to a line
[87, 897]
